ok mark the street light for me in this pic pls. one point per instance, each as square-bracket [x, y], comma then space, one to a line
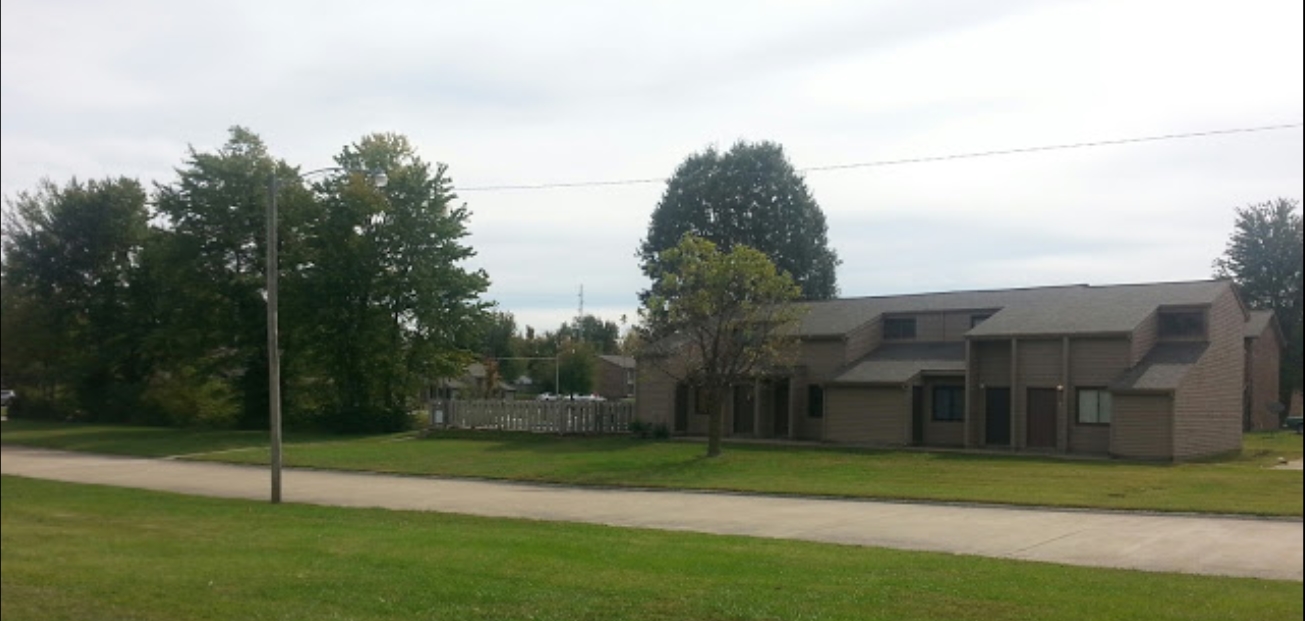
[378, 179]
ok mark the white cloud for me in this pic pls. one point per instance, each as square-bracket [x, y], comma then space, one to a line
[521, 92]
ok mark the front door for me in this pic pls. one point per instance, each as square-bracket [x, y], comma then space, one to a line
[743, 409]
[997, 417]
[1042, 417]
[917, 415]
[781, 409]
[681, 408]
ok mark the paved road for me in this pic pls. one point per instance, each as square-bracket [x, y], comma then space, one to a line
[1188, 544]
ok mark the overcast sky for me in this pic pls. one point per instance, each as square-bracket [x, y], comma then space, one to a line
[511, 93]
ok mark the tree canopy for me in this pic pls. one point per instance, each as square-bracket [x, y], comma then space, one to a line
[116, 312]
[1263, 256]
[717, 318]
[752, 196]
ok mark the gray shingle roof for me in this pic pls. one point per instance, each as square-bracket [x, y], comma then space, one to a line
[1163, 368]
[625, 362]
[897, 363]
[1068, 309]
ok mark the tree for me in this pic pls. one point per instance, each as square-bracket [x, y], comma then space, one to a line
[603, 335]
[749, 195]
[1263, 257]
[385, 294]
[718, 318]
[68, 322]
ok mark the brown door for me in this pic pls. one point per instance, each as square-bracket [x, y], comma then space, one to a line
[781, 409]
[743, 409]
[1042, 417]
[681, 408]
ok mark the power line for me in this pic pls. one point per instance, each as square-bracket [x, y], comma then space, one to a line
[912, 160]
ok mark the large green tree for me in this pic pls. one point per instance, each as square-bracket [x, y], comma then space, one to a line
[210, 266]
[1263, 256]
[385, 290]
[69, 324]
[752, 196]
[716, 319]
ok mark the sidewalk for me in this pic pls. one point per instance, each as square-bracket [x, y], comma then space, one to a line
[1169, 543]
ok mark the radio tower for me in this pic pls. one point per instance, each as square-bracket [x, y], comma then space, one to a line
[580, 318]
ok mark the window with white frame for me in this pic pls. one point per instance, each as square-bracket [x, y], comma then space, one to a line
[1094, 406]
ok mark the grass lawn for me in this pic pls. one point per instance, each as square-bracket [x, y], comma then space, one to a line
[88, 552]
[138, 441]
[1241, 484]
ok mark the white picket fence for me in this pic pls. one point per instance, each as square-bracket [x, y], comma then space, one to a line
[593, 417]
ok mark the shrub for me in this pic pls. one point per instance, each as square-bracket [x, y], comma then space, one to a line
[640, 429]
[661, 432]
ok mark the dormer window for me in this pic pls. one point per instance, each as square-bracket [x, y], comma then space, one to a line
[1182, 324]
[899, 328]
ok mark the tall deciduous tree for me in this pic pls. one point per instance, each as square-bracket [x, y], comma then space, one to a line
[1263, 257]
[749, 195]
[68, 323]
[213, 235]
[716, 319]
[391, 303]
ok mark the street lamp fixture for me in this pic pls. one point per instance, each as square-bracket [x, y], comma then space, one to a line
[378, 179]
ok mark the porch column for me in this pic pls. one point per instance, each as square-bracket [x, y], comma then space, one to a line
[971, 394]
[1017, 427]
[1062, 412]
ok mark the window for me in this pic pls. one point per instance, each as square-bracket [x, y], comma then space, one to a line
[1093, 406]
[978, 319]
[1182, 324]
[899, 328]
[815, 401]
[949, 403]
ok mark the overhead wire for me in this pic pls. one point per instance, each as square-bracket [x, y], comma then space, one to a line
[909, 160]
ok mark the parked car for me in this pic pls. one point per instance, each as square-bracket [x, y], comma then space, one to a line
[1295, 422]
[6, 395]
[546, 396]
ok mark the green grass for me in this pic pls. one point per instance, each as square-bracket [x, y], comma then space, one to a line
[1241, 484]
[138, 441]
[87, 552]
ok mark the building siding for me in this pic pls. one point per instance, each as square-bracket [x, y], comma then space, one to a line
[1038, 365]
[863, 340]
[1098, 362]
[868, 415]
[822, 358]
[1142, 426]
[1208, 402]
[940, 433]
[1144, 338]
[1262, 363]
[655, 396]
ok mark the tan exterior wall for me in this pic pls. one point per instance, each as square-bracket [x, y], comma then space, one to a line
[1038, 365]
[1142, 426]
[655, 396]
[612, 380]
[993, 361]
[1208, 403]
[822, 358]
[868, 415]
[1144, 338]
[1097, 362]
[1088, 439]
[863, 340]
[1262, 367]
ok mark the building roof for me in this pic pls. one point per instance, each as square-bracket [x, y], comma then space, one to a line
[1067, 309]
[897, 363]
[625, 362]
[1163, 368]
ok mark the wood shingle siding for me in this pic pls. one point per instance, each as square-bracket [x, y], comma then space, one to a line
[1208, 403]
[1142, 427]
[868, 415]
[1144, 338]
[1097, 362]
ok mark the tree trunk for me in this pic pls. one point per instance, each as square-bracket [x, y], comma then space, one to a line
[716, 422]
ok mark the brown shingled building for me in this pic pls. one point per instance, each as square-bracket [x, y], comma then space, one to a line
[1164, 371]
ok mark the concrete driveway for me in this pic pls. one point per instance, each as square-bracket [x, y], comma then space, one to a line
[1169, 543]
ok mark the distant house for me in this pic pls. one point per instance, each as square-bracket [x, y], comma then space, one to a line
[615, 377]
[474, 383]
[1148, 371]
[1261, 402]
